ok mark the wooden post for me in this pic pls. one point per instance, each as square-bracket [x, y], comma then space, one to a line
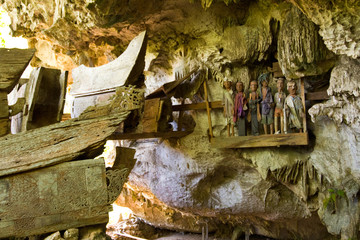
[4, 114]
[302, 92]
[181, 112]
[208, 110]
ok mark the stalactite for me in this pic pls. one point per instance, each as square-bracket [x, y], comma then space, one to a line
[300, 171]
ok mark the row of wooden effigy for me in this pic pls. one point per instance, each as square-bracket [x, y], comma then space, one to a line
[284, 112]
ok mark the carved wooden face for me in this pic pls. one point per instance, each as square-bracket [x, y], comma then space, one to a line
[292, 88]
[240, 87]
[227, 84]
[253, 86]
[280, 84]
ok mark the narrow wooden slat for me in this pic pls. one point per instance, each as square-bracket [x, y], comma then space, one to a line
[4, 107]
[197, 106]
[302, 91]
[63, 85]
[181, 113]
[271, 140]
[144, 135]
[208, 110]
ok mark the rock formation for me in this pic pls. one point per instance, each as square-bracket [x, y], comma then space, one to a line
[183, 184]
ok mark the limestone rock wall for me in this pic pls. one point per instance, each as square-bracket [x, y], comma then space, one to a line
[343, 109]
[277, 192]
[338, 21]
[301, 50]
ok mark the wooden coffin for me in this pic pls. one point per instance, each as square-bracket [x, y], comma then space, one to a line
[60, 197]
[45, 97]
[13, 62]
[90, 83]
[56, 143]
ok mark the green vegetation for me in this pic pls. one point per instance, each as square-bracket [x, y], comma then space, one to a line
[207, 3]
[2, 25]
[331, 200]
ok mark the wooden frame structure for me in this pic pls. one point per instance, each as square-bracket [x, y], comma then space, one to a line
[270, 140]
[153, 110]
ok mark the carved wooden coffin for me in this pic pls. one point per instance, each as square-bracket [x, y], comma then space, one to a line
[63, 196]
[93, 85]
[56, 143]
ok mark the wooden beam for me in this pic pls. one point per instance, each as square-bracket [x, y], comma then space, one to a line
[181, 113]
[197, 106]
[144, 135]
[317, 95]
[271, 140]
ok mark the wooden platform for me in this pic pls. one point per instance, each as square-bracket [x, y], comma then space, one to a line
[134, 136]
[197, 106]
[271, 140]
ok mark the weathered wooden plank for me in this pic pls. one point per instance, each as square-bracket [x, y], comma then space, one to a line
[12, 64]
[197, 106]
[271, 140]
[56, 143]
[4, 126]
[60, 197]
[165, 135]
[4, 107]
